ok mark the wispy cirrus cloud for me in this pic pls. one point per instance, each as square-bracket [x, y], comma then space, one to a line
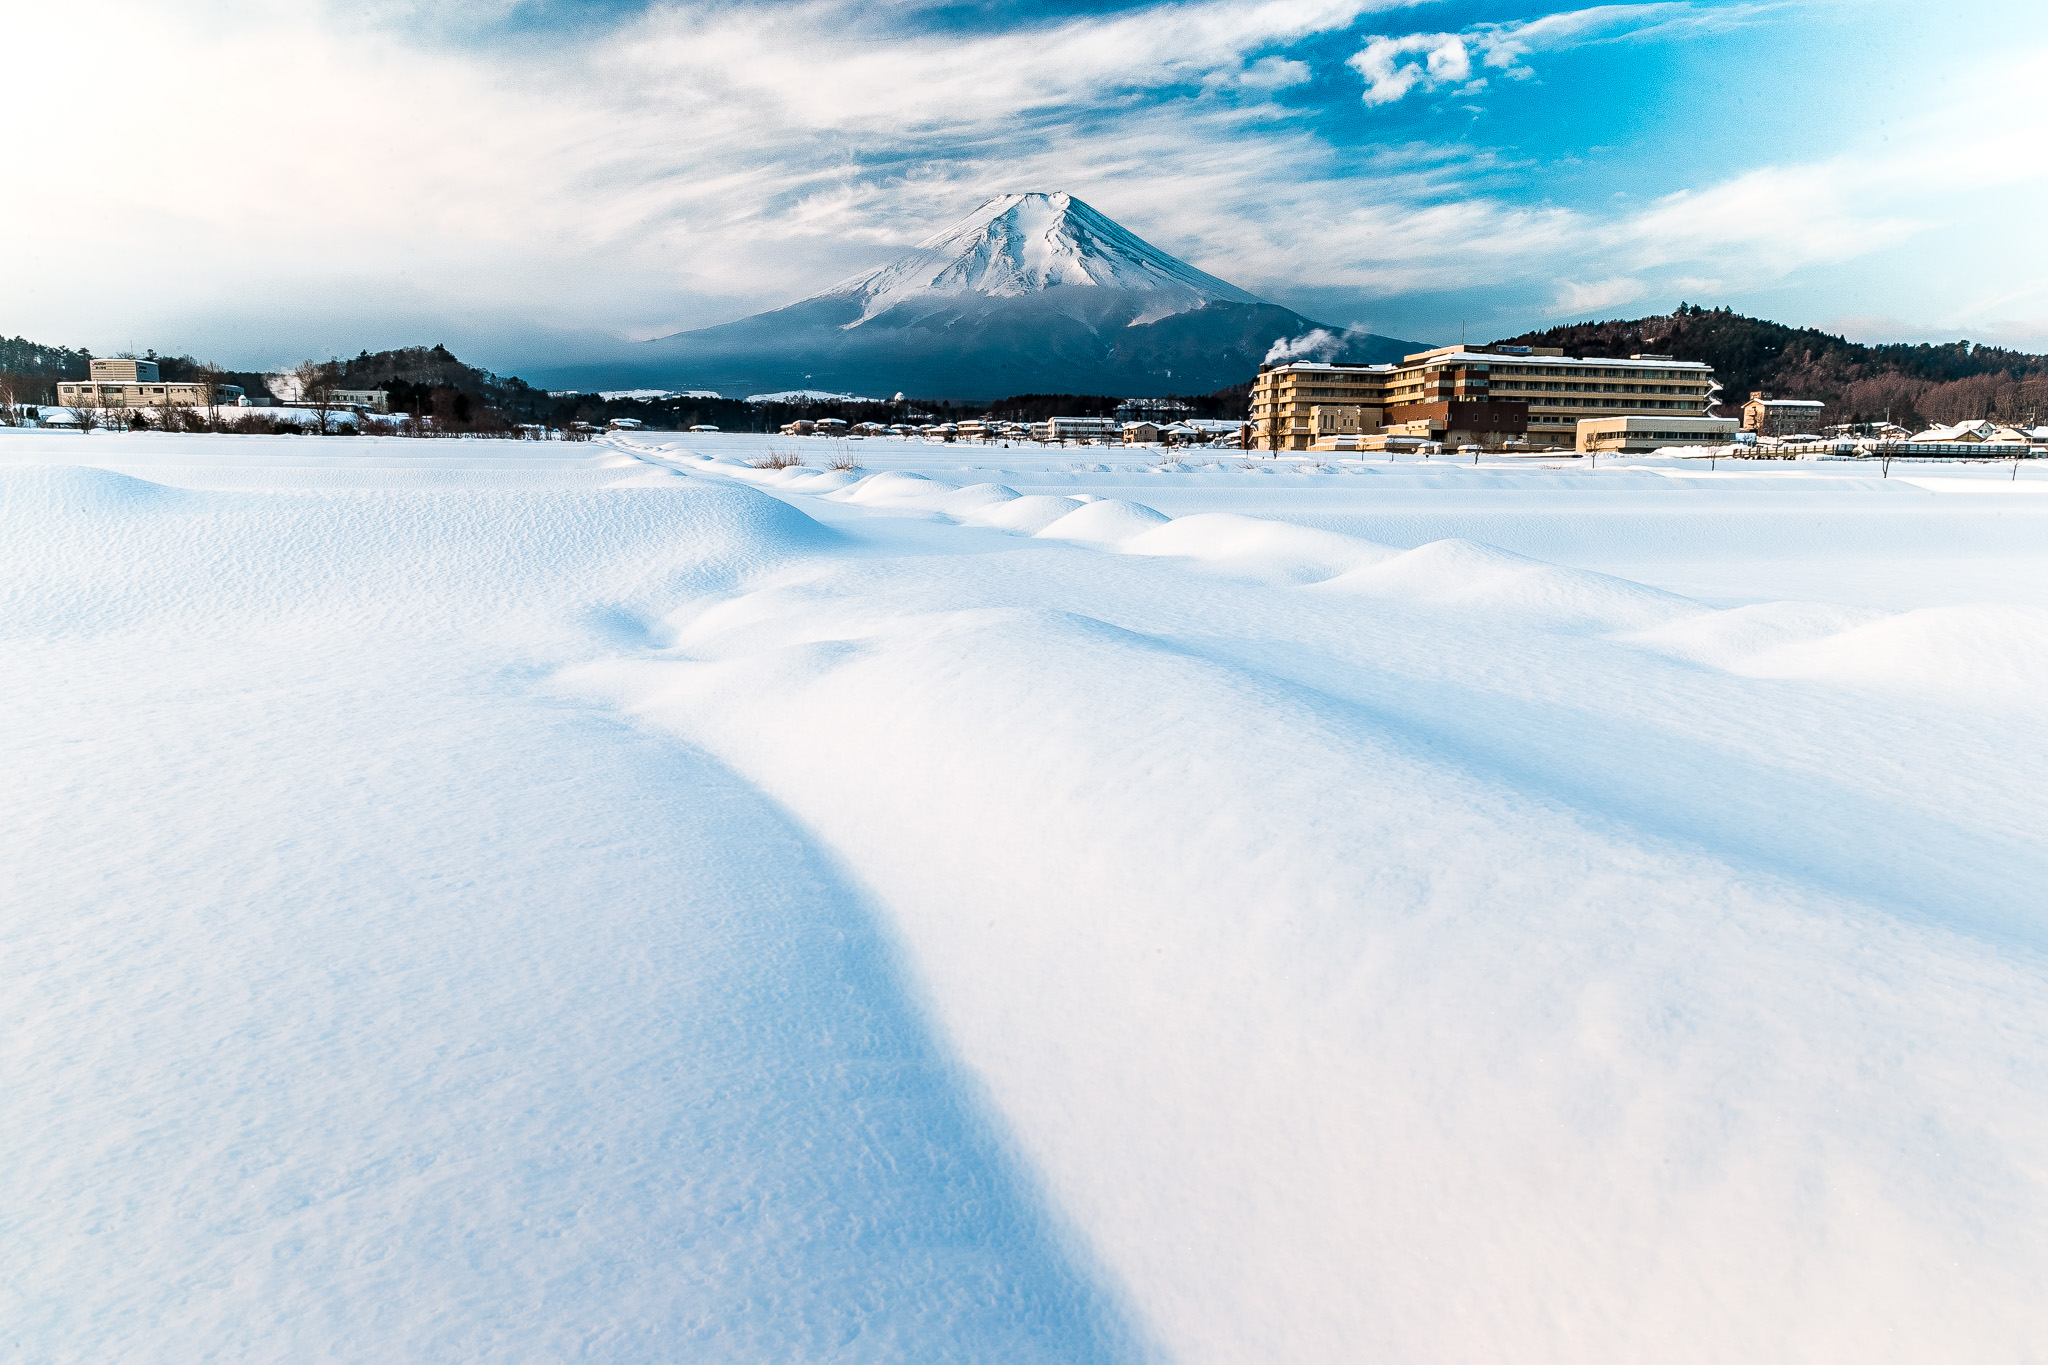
[1397, 65]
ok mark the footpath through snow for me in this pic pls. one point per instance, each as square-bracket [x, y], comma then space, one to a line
[1017, 923]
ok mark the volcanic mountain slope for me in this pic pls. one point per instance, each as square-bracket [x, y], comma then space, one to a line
[1031, 292]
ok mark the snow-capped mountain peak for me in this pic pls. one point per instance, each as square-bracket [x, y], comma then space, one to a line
[1022, 244]
[1030, 293]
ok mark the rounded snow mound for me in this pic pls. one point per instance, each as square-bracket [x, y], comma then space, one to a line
[1465, 573]
[1109, 521]
[1027, 515]
[903, 489]
[892, 485]
[974, 497]
[801, 480]
[1983, 653]
[101, 551]
[1730, 639]
[75, 489]
[1273, 551]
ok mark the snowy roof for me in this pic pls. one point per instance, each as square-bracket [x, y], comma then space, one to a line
[1789, 402]
[1981, 429]
[1516, 358]
[1434, 358]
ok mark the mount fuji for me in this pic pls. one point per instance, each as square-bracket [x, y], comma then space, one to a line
[1029, 293]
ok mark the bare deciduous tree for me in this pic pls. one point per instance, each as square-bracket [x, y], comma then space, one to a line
[92, 409]
[317, 382]
[207, 377]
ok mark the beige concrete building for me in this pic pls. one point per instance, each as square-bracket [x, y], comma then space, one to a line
[1328, 421]
[1284, 399]
[122, 370]
[1640, 435]
[1768, 416]
[1482, 395]
[121, 383]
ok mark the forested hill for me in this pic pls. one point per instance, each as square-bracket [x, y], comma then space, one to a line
[1913, 384]
[412, 374]
[19, 355]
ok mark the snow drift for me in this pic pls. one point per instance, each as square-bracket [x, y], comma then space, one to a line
[611, 910]
[367, 1001]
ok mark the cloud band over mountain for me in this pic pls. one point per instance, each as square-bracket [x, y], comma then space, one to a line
[542, 180]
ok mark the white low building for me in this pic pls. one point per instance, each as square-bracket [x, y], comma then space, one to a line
[1059, 429]
[1640, 435]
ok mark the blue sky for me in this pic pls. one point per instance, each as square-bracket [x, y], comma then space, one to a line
[534, 181]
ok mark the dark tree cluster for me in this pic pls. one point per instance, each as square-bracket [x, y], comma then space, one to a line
[432, 383]
[29, 371]
[1909, 384]
[20, 356]
[734, 414]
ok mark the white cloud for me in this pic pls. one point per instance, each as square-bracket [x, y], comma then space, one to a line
[1398, 65]
[1575, 297]
[697, 164]
[1394, 66]
[1275, 73]
[706, 162]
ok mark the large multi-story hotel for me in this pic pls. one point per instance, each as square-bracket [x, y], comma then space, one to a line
[1484, 395]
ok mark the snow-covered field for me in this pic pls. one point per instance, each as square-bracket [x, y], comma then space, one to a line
[522, 901]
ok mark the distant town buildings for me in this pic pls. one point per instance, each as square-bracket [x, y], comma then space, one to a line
[1768, 416]
[1052, 430]
[1152, 433]
[1981, 432]
[1454, 395]
[1193, 431]
[123, 383]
